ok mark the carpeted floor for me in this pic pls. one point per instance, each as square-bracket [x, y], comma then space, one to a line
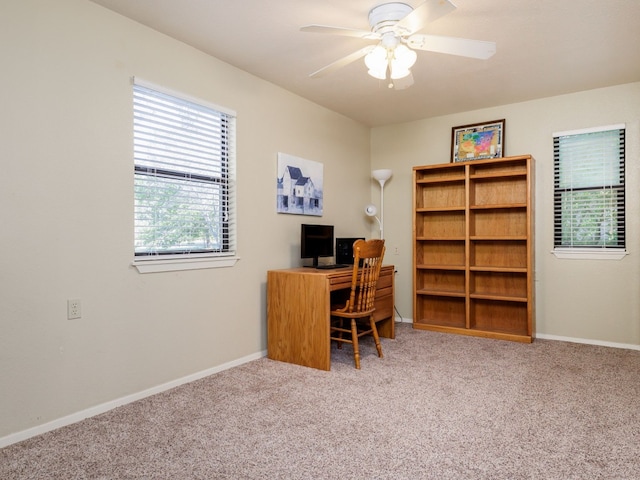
[438, 406]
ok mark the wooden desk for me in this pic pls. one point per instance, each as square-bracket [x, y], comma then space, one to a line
[298, 312]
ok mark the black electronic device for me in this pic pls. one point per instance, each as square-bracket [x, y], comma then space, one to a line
[316, 241]
[344, 250]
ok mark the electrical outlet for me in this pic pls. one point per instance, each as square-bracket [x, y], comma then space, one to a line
[396, 251]
[73, 309]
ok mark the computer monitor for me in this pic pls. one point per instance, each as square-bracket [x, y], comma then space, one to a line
[316, 241]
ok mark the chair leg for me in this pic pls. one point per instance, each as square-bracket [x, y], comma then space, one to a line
[354, 338]
[376, 338]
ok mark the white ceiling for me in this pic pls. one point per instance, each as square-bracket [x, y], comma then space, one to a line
[544, 48]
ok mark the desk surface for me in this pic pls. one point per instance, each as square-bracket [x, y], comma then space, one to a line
[312, 270]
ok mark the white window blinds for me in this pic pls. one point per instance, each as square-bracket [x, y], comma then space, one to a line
[184, 157]
[589, 188]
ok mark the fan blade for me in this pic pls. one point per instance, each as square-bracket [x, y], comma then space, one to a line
[425, 13]
[349, 32]
[343, 62]
[452, 46]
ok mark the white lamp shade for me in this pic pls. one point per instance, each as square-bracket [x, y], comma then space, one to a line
[397, 73]
[379, 74]
[382, 175]
[404, 57]
[370, 210]
[376, 61]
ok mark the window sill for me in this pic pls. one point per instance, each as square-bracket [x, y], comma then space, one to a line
[173, 265]
[589, 254]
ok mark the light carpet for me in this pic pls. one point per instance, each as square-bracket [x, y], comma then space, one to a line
[437, 406]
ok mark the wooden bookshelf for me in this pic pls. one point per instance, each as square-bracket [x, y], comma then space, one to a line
[473, 248]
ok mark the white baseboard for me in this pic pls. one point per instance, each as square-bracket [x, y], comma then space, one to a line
[587, 341]
[543, 336]
[105, 407]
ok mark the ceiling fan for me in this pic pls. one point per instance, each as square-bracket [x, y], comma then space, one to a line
[394, 26]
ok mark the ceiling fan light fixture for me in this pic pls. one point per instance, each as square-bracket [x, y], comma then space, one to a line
[403, 59]
[376, 61]
[379, 74]
[404, 56]
[398, 73]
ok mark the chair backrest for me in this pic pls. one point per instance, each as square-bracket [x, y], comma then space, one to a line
[367, 260]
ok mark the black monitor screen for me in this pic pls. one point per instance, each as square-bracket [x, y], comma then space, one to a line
[316, 241]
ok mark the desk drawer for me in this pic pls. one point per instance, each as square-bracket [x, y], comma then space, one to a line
[343, 280]
[338, 283]
[383, 292]
[384, 281]
[384, 308]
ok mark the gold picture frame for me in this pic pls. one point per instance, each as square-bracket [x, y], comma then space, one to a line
[477, 141]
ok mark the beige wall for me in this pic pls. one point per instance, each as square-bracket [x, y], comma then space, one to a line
[592, 300]
[66, 191]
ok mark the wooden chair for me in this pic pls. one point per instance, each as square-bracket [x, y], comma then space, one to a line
[359, 307]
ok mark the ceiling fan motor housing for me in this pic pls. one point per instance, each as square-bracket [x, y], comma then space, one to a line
[383, 18]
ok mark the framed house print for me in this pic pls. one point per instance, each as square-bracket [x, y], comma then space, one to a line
[477, 141]
[299, 186]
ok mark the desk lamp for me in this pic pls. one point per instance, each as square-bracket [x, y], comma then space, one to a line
[381, 176]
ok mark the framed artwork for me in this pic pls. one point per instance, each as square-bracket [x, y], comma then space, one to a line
[477, 141]
[299, 186]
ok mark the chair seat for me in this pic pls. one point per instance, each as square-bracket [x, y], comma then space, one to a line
[339, 313]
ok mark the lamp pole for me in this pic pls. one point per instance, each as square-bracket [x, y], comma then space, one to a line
[382, 209]
[382, 176]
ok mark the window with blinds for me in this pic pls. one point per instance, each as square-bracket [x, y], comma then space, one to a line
[589, 191]
[184, 156]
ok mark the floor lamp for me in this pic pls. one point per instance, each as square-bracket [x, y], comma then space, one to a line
[381, 176]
